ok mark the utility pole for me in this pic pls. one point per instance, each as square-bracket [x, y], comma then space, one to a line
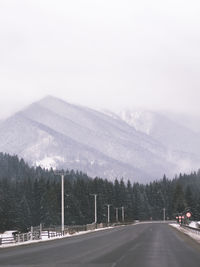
[164, 210]
[116, 213]
[122, 214]
[108, 205]
[61, 173]
[62, 205]
[95, 207]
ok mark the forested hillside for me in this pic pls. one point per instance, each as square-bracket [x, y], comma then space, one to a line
[30, 196]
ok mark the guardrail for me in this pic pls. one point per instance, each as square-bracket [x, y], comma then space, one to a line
[56, 230]
[19, 238]
[7, 240]
[39, 232]
[192, 229]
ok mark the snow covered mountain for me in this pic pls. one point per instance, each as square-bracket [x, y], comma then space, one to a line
[53, 133]
[189, 121]
[182, 143]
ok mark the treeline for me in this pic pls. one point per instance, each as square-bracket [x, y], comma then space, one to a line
[30, 196]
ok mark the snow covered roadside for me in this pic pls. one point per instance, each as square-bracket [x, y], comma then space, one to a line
[44, 239]
[186, 231]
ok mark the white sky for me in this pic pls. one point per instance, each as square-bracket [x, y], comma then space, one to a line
[105, 53]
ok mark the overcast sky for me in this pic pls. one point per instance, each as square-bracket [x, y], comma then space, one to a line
[105, 53]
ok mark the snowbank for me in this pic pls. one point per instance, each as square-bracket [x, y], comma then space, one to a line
[195, 236]
[193, 224]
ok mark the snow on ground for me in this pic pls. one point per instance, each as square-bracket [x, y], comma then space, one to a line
[8, 234]
[50, 162]
[193, 224]
[187, 231]
[45, 238]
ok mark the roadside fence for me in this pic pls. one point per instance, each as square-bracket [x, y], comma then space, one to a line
[40, 232]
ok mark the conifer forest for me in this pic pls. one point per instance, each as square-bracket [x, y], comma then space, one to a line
[32, 195]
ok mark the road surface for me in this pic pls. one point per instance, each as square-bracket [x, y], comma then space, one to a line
[142, 245]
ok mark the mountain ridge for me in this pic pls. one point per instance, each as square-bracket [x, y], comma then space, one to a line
[69, 136]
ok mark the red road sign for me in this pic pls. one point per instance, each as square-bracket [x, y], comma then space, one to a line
[188, 214]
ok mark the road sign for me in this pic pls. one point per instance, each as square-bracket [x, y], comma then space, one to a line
[188, 214]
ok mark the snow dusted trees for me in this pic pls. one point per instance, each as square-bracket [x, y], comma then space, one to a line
[30, 196]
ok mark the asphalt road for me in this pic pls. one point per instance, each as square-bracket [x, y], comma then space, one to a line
[142, 245]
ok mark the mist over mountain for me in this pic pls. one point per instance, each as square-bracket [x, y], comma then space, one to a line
[53, 133]
[180, 139]
[189, 121]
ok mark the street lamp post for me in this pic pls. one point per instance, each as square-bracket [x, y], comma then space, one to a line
[95, 208]
[122, 214]
[164, 210]
[108, 205]
[63, 215]
[61, 173]
[116, 213]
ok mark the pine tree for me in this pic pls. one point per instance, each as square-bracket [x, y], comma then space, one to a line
[179, 203]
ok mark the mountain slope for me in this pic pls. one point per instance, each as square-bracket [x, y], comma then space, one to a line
[182, 143]
[54, 133]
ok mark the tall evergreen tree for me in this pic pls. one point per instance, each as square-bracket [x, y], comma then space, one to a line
[179, 203]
